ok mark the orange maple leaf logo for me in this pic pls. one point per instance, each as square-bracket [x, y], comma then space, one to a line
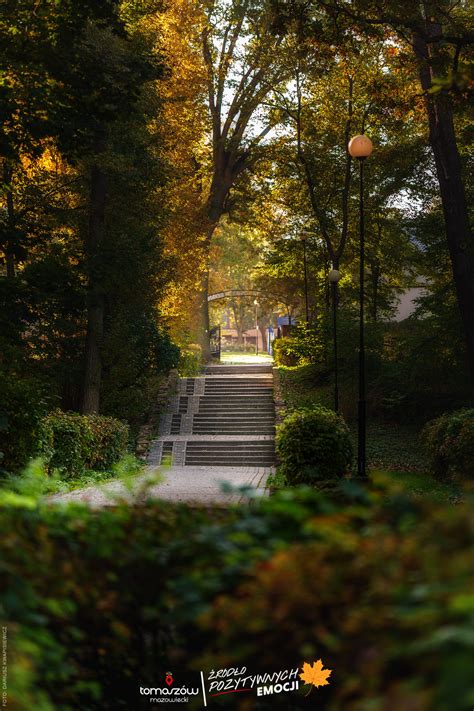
[315, 674]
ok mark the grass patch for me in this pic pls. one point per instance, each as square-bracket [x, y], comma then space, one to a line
[230, 357]
[390, 446]
[393, 449]
[276, 481]
[36, 482]
[417, 485]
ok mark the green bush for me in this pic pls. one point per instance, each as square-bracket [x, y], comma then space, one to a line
[73, 444]
[449, 442]
[110, 442]
[22, 406]
[313, 445]
[238, 348]
[380, 590]
[190, 361]
[285, 351]
[304, 346]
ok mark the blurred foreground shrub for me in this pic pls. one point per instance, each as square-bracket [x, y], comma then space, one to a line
[73, 443]
[449, 441]
[381, 589]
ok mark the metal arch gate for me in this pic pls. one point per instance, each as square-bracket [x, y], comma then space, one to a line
[215, 333]
[215, 342]
[232, 292]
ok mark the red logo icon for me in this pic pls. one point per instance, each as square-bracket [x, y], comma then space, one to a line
[169, 678]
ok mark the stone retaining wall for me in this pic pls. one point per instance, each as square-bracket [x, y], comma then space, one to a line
[149, 430]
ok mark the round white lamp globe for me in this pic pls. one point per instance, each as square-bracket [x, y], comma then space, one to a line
[360, 146]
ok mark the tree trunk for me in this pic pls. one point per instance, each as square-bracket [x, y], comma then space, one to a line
[10, 239]
[375, 274]
[203, 323]
[93, 372]
[448, 168]
[263, 331]
[238, 318]
[95, 295]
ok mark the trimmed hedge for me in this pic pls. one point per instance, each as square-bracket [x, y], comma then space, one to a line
[381, 590]
[449, 441]
[22, 407]
[73, 443]
[285, 351]
[304, 346]
[313, 445]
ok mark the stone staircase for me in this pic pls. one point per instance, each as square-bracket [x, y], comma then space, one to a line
[224, 418]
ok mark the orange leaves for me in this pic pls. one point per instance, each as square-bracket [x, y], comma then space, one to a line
[315, 674]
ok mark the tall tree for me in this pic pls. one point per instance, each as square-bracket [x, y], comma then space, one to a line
[183, 125]
[102, 76]
[241, 57]
[439, 34]
[32, 36]
[69, 99]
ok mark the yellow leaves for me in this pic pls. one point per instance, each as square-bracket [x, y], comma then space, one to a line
[120, 629]
[315, 674]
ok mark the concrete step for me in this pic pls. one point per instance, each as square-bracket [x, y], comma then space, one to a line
[260, 392]
[231, 413]
[243, 412]
[234, 418]
[237, 386]
[233, 431]
[237, 463]
[212, 447]
[225, 426]
[228, 412]
[252, 402]
[222, 410]
[244, 397]
[236, 369]
[216, 424]
[236, 378]
[253, 394]
[234, 402]
[224, 387]
[237, 383]
[244, 427]
[223, 403]
[235, 424]
[241, 381]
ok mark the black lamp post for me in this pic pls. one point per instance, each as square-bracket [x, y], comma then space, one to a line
[255, 303]
[305, 266]
[334, 276]
[360, 147]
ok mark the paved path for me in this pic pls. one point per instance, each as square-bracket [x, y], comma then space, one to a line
[199, 485]
[219, 428]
